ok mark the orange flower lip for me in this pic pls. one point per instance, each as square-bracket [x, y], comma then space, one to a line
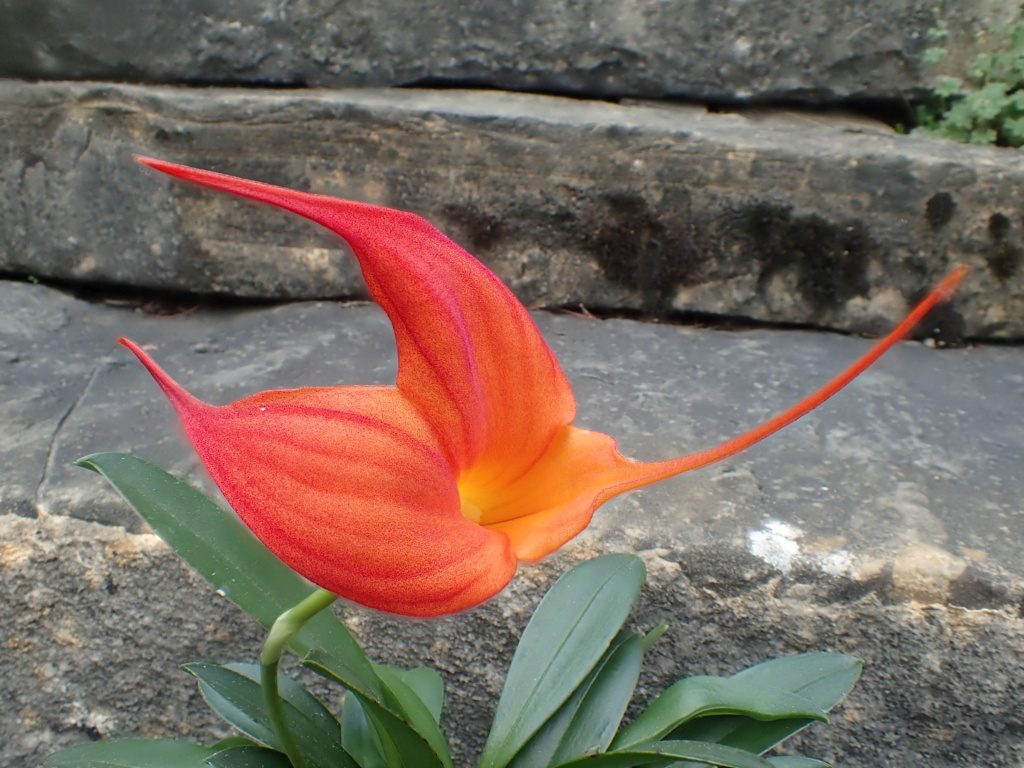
[421, 498]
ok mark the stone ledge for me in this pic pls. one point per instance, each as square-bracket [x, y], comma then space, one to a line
[757, 49]
[100, 622]
[792, 219]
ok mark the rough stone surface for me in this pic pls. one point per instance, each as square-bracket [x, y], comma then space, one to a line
[757, 49]
[886, 524]
[777, 217]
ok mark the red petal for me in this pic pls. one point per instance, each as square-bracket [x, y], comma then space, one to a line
[348, 486]
[470, 356]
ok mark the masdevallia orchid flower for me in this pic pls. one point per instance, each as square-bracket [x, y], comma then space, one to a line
[421, 498]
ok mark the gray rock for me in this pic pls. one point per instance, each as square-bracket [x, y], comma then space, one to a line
[758, 49]
[779, 218]
[885, 524]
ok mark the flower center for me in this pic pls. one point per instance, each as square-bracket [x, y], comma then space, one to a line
[471, 511]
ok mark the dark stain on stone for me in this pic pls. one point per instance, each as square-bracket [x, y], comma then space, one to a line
[21, 507]
[998, 226]
[92, 733]
[831, 258]
[979, 588]
[840, 590]
[944, 323]
[724, 570]
[1004, 258]
[845, 590]
[648, 250]
[1004, 261]
[939, 209]
[478, 229]
[174, 136]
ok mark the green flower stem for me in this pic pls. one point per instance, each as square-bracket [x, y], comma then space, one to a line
[284, 629]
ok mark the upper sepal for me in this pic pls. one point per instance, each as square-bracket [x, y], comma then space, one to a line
[470, 356]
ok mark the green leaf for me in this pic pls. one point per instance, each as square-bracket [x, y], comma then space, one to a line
[796, 761]
[1014, 131]
[249, 757]
[570, 631]
[692, 751]
[989, 102]
[604, 704]
[401, 699]
[131, 753]
[949, 86]
[540, 750]
[427, 684]
[823, 679]
[357, 736]
[981, 66]
[705, 696]
[218, 545]
[653, 636]
[234, 693]
[396, 740]
[233, 741]
[982, 136]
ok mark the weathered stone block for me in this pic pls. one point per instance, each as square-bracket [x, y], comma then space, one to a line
[758, 49]
[779, 218]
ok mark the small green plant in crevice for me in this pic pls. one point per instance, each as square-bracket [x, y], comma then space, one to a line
[986, 106]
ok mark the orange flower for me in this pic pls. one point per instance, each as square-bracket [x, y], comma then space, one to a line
[420, 499]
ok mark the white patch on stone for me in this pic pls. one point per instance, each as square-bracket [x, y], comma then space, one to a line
[839, 563]
[777, 545]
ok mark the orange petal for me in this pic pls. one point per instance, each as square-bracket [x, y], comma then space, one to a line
[557, 497]
[663, 469]
[469, 354]
[349, 487]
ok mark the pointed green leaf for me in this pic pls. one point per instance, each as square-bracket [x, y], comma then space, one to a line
[604, 704]
[234, 693]
[217, 544]
[427, 684]
[739, 731]
[249, 757]
[667, 752]
[540, 750]
[397, 741]
[704, 696]
[824, 679]
[131, 753]
[357, 736]
[570, 631]
[401, 699]
[233, 741]
[653, 636]
[796, 761]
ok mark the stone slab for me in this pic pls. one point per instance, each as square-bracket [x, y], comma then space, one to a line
[886, 524]
[779, 218]
[737, 50]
